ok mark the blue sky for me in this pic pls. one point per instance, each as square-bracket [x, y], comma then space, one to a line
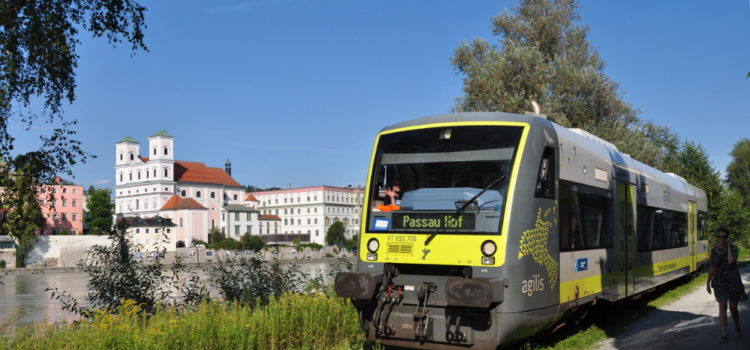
[294, 91]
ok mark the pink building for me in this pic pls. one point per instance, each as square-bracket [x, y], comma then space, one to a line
[62, 207]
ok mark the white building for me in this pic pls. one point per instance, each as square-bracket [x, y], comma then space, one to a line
[152, 234]
[192, 194]
[310, 211]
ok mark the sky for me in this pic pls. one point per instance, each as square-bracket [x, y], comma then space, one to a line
[293, 92]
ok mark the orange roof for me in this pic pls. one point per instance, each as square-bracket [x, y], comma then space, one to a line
[269, 217]
[251, 198]
[179, 203]
[200, 173]
[144, 159]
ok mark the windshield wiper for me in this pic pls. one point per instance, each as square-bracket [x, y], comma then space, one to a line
[463, 207]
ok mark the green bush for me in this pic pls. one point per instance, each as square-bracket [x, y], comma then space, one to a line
[2, 264]
[253, 243]
[227, 243]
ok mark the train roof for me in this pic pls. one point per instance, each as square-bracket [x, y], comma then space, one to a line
[469, 117]
[591, 160]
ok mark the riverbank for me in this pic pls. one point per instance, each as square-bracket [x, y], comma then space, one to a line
[45, 269]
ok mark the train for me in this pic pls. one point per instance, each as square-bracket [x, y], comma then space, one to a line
[480, 229]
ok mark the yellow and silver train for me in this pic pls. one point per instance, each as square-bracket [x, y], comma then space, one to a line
[480, 229]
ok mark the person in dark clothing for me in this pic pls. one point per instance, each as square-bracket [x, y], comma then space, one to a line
[725, 279]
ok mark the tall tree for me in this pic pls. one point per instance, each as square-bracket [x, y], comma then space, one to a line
[100, 210]
[543, 55]
[38, 42]
[738, 171]
[335, 234]
[693, 164]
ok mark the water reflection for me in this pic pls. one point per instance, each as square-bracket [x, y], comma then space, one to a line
[24, 301]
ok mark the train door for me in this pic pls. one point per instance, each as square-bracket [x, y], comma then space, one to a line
[692, 233]
[625, 214]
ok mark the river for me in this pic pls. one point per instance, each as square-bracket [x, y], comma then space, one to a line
[23, 299]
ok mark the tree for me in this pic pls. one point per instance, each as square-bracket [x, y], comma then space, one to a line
[100, 210]
[335, 234]
[733, 215]
[738, 170]
[215, 236]
[692, 163]
[543, 55]
[38, 41]
[253, 243]
[24, 217]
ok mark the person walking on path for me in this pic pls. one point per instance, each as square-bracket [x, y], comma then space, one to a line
[725, 279]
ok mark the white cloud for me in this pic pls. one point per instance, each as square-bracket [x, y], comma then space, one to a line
[101, 182]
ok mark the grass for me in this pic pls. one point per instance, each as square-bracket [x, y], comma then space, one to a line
[292, 321]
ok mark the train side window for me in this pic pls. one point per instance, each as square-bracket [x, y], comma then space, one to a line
[584, 217]
[661, 229]
[545, 183]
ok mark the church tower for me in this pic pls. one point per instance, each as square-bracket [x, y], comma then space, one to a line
[161, 146]
[127, 150]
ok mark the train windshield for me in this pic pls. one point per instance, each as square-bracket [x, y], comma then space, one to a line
[447, 179]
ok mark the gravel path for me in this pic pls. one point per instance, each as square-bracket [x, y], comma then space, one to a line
[689, 323]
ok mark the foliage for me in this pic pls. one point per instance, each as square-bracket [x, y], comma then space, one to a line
[252, 188]
[99, 209]
[116, 276]
[38, 41]
[226, 243]
[215, 235]
[250, 280]
[2, 264]
[351, 244]
[198, 241]
[314, 246]
[316, 321]
[543, 55]
[738, 171]
[335, 234]
[734, 215]
[253, 243]
[24, 218]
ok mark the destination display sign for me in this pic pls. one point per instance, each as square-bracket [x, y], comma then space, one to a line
[434, 221]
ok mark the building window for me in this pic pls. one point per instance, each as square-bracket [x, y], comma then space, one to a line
[198, 194]
[120, 156]
[120, 177]
[248, 216]
[64, 217]
[249, 229]
[132, 157]
[65, 190]
[165, 151]
[65, 202]
[166, 172]
[146, 230]
[137, 230]
[139, 175]
[285, 222]
[131, 176]
[213, 194]
[237, 216]
[316, 221]
[236, 230]
[222, 217]
[182, 193]
[235, 197]
[180, 222]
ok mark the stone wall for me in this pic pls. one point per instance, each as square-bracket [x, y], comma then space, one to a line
[62, 251]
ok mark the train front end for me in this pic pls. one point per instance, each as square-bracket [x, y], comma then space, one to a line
[434, 233]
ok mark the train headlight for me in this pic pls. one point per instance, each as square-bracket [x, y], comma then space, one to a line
[489, 248]
[373, 245]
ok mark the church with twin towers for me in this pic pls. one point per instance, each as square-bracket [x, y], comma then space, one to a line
[196, 197]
